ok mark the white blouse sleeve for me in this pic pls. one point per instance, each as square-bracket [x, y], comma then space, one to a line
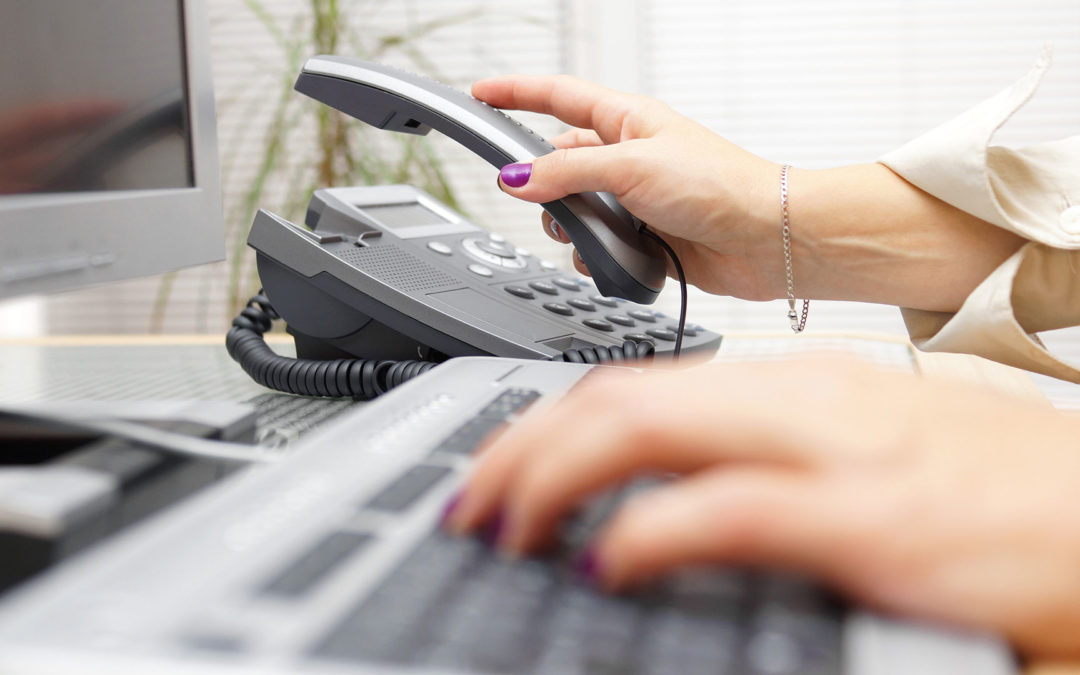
[1033, 191]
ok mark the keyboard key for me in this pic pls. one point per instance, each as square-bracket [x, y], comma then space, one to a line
[403, 492]
[316, 564]
[509, 402]
[469, 435]
[601, 300]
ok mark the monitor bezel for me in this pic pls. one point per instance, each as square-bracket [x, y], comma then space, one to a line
[45, 246]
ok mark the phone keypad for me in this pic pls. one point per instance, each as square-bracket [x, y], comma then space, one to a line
[561, 294]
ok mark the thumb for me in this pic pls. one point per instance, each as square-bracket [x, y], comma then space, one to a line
[748, 516]
[568, 171]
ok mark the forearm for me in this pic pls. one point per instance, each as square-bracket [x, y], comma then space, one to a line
[863, 233]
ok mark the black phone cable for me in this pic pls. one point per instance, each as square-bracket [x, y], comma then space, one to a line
[362, 379]
[682, 287]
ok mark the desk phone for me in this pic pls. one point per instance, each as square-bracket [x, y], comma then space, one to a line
[390, 272]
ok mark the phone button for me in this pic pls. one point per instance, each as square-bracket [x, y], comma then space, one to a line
[568, 284]
[601, 300]
[662, 334]
[642, 315]
[599, 325]
[637, 337]
[688, 331]
[481, 270]
[558, 308]
[495, 248]
[520, 292]
[548, 265]
[544, 287]
[581, 304]
[621, 319]
[440, 247]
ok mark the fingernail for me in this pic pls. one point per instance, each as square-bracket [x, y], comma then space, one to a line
[515, 175]
[448, 510]
[587, 566]
[495, 529]
[556, 231]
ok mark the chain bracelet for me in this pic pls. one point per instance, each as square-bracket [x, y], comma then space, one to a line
[797, 323]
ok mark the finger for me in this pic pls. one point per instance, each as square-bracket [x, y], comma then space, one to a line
[553, 229]
[579, 264]
[741, 516]
[604, 168]
[576, 138]
[549, 463]
[576, 102]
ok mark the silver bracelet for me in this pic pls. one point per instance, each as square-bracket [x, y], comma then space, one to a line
[797, 324]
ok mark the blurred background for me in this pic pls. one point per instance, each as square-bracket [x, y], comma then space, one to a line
[814, 84]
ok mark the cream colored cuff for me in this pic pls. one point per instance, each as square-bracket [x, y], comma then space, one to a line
[987, 324]
[1032, 191]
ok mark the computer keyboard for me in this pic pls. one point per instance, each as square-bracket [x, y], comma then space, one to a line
[281, 419]
[332, 561]
[454, 604]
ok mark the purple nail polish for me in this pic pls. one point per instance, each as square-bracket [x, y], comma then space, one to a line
[448, 510]
[495, 528]
[515, 175]
[587, 565]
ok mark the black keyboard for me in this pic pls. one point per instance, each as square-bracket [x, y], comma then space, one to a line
[454, 603]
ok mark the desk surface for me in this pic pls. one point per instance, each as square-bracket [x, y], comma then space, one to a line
[30, 369]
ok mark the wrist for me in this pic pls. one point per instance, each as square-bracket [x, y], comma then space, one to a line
[864, 233]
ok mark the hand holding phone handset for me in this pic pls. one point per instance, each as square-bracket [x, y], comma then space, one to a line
[622, 257]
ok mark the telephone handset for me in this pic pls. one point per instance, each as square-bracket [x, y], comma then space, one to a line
[623, 261]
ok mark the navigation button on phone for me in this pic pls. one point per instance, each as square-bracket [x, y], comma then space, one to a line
[476, 268]
[440, 248]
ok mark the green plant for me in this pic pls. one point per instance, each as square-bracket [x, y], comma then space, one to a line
[345, 152]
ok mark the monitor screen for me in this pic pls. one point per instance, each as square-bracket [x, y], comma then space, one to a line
[88, 103]
[108, 146]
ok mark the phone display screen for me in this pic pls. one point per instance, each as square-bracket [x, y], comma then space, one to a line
[400, 218]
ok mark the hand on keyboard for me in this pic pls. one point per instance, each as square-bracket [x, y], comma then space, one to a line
[921, 497]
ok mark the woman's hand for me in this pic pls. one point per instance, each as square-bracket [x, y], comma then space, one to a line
[914, 496]
[858, 233]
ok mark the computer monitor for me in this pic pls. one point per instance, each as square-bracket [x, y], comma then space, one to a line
[108, 146]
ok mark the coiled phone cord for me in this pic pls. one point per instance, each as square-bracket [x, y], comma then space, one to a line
[362, 379]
